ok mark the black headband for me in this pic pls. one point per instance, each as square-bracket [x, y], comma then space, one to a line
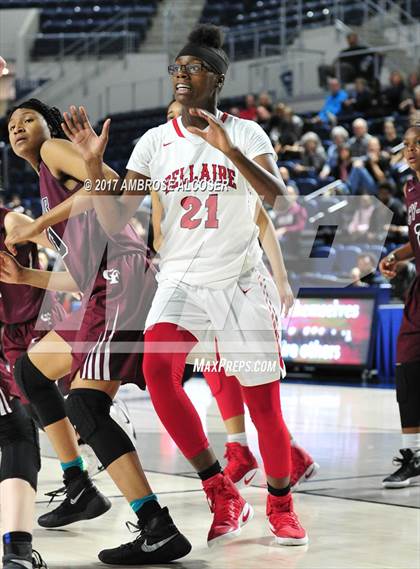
[215, 57]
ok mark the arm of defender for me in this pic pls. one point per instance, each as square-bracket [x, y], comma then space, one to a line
[12, 272]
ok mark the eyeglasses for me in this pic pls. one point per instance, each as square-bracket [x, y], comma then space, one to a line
[190, 68]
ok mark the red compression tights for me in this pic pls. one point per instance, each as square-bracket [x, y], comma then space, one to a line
[167, 347]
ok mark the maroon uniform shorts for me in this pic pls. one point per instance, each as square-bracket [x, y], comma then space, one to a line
[17, 339]
[106, 333]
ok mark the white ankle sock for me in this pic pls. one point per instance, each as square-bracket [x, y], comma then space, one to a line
[411, 441]
[238, 438]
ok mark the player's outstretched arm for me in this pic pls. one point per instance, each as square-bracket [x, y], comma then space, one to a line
[113, 210]
[12, 272]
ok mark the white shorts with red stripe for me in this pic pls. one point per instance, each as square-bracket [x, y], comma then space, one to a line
[239, 324]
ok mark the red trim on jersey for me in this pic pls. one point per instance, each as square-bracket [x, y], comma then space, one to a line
[176, 127]
[224, 117]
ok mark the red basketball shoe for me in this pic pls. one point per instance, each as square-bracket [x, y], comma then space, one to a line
[230, 510]
[283, 521]
[303, 467]
[242, 465]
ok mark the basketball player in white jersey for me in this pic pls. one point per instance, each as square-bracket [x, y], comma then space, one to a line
[213, 286]
[242, 466]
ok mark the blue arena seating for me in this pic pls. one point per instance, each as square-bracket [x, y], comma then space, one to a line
[64, 23]
[243, 17]
[323, 259]
[346, 258]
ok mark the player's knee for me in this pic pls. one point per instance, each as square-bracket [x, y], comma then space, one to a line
[19, 443]
[42, 392]
[408, 393]
[263, 399]
[157, 368]
[89, 412]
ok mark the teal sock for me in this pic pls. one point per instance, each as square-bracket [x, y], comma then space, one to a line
[137, 504]
[76, 463]
[145, 508]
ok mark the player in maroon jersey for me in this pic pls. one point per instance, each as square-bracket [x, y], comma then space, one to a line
[26, 316]
[106, 340]
[408, 343]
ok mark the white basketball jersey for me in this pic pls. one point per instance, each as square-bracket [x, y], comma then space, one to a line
[208, 228]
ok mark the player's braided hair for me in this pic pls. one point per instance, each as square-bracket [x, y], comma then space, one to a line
[52, 115]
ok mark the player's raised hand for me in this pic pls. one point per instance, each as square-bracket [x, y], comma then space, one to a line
[10, 270]
[216, 134]
[78, 129]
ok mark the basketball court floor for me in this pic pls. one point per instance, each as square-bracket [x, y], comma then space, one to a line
[352, 522]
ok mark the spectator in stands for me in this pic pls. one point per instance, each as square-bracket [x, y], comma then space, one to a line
[360, 97]
[16, 204]
[285, 174]
[352, 66]
[359, 141]
[412, 103]
[394, 93]
[235, 111]
[333, 102]
[291, 223]
[397, 232]
[366, 266]
[412, 81]
[265, 100]
[284, 126]
[414, 117]
[344, 165]
[377, 161]
[250, 110]
[353, 173]
[360, 179]
[360, 222]
[390, 138]
[313, 155]
[339, 137]
[348, 66]
[263, 117]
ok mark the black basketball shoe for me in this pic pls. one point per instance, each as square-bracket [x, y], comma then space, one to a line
[409, 466]
[26, 558]
[83, 502]
[159, 541]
